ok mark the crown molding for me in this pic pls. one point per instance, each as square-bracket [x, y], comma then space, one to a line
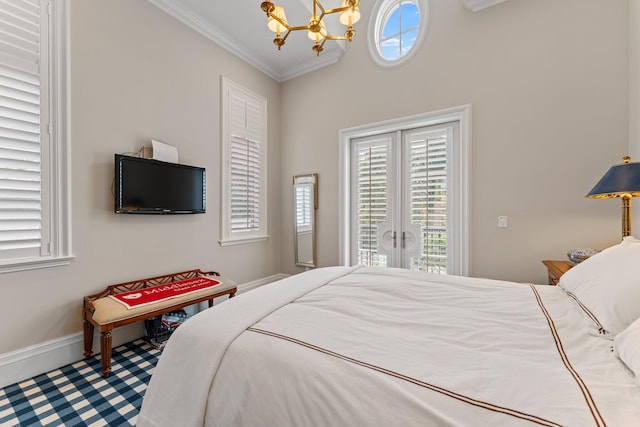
[196, 23]
[327, 58]
[478, 5]
[199, 25]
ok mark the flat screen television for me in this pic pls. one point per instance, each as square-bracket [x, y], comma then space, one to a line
[147, 186]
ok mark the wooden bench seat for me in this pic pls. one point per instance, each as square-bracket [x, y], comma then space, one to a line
[102, 312]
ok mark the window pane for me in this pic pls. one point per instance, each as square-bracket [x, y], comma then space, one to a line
[391, 51]
[428, 200]
[391, 25]
[245, 186]
[407, 40]
[410, 15]
[372, 178]
[398, 29]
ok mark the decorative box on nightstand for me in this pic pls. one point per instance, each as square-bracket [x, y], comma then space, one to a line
[556, 269]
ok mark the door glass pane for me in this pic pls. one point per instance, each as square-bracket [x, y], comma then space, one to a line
[427, 231]
[371, 202]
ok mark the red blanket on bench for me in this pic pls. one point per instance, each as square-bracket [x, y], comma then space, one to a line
[154, 294]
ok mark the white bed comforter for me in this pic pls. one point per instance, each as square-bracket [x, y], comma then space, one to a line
[352, 346]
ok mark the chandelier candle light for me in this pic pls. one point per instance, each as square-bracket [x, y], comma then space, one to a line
[317, 30]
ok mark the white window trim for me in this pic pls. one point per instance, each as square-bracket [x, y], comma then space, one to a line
[226, 238]
[59, 160]
[478, 5]
[377, 15]
[461, 159]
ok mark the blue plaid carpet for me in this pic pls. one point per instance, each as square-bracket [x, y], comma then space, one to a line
[78, 395]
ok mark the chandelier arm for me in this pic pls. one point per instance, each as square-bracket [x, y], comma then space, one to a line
[284, 39]
[329, 37]
[336, 10]
[301, 27]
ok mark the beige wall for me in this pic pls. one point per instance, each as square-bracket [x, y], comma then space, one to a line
[634, 86]
[547, 80]
[548, 83]
[139, 74]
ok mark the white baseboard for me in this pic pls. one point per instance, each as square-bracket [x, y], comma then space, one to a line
[37, 359]
[260, 282]
[34, 360]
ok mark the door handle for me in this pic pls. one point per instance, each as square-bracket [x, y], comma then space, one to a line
[404, 238]
[394, 240]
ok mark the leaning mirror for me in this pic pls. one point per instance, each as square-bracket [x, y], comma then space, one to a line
[305, 203]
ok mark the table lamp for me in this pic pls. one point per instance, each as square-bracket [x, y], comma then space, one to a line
[620, 181]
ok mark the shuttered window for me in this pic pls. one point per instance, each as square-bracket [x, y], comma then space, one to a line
[33, 220]
[244, 182]
[20, 141]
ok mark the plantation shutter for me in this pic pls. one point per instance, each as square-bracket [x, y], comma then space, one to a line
[428, 198]
[20, 136]
[372, 182]
[400, 207]
[246, 128]
[243, 216]
[303, 206]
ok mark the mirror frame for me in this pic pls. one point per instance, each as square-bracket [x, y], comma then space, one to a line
[305, 180]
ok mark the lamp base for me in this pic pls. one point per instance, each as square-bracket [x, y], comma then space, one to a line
[626, 215]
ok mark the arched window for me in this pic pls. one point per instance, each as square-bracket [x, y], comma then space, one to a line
[397, 28]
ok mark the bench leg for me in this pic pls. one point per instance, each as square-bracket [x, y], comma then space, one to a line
[231, 295]
[88, 339]
[105, 352]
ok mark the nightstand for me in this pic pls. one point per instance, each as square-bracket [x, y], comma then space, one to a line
[556, 269]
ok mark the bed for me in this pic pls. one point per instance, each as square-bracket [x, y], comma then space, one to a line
[357, 346]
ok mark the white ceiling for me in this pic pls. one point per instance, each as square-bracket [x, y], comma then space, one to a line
[240, 26]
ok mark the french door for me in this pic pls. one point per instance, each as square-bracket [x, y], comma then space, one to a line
[400, 209]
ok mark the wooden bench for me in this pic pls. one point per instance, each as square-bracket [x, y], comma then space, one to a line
[106, 313]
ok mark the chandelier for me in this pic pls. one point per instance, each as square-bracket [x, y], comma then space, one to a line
[317, 30]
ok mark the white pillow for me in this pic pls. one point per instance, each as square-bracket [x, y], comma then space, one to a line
[627, 347]
[608, 285]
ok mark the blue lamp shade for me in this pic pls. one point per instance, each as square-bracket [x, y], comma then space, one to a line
[619, 181]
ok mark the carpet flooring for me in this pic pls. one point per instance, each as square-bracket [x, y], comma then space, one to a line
[78, 395]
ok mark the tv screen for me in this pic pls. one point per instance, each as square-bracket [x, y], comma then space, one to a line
[147, 186]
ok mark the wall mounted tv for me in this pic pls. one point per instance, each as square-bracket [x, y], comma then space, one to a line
[146, 186]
